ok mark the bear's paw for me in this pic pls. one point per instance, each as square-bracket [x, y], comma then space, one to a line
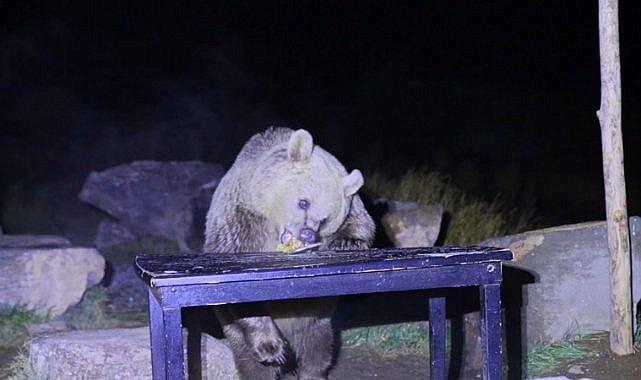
[270, 351]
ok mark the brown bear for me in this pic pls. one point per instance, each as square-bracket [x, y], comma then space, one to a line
[283, 188]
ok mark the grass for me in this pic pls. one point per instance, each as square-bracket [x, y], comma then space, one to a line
[637, 333]
[15, 321]
[467, 219]
[14, 332]
[547, 356]
[20, 368]
[390, 340]
[91, 312]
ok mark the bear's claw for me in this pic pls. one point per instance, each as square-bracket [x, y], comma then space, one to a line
[271, 352]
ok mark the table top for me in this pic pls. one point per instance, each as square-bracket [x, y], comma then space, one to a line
[175, 269]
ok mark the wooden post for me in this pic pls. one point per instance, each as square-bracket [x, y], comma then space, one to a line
[609, 114]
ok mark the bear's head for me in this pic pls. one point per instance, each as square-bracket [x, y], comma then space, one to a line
[302, 190]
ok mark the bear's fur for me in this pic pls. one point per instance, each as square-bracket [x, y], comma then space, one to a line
[282, 183]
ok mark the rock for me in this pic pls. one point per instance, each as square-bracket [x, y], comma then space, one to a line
[190, 223]
[409, 224]
[111, 233]
[53, 326]
[151, 198]
[48, 279]
[114, 354]
[570, 265]
[576, 369]
[20, 241]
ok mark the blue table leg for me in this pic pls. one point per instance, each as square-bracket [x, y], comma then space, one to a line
[167, 355]
[174, 337]
[156, 332]
[491, 331]
[437, 338]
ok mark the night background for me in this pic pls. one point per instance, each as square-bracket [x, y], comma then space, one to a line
[499, 96]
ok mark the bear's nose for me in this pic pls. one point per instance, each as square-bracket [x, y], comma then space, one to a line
[307, 235]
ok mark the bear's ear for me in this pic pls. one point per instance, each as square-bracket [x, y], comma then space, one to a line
[300, 146]
[352, 182]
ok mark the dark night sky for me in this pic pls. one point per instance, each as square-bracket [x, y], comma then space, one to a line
[499, 95]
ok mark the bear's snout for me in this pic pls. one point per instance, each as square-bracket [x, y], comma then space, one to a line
[307, 235]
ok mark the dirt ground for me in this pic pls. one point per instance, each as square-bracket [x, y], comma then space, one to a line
[604, 365]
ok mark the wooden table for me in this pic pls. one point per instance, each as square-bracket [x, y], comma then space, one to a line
[177, 281]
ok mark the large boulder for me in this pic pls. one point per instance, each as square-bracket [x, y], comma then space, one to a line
[571, 287]
[48, 279]
[165, 199]
[114, 354]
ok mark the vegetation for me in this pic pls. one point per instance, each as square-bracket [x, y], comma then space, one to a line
[637, 333]
[467, 219]
[545, 357]
[393, 339]
[14, 323]
[14, 332]
[20, 367]
[90, 313]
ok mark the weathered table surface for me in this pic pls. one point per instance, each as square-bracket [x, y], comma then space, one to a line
[183, 280]
[166, 270]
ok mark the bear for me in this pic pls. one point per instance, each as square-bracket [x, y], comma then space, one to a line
[280, 188]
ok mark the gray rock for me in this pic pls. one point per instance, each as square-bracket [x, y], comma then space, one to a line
[151, 198]
[190, 222]
[576, 369]
[22, 241]
[52, 326]
[111, 233]
[409, 224]
[114, 354]
[570, 265]
[48, 279]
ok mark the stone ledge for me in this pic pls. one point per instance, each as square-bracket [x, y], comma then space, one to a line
[114, 354]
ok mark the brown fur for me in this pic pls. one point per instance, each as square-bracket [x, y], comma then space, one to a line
[264, 336]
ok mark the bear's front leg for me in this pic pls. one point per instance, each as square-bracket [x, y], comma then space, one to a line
[264, 340]
[258, 346]
[314, 348]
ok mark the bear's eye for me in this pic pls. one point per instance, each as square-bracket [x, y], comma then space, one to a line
[303, 204]
[322, 222]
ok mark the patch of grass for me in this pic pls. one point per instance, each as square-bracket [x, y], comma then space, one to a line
[15, 321]
[90, 313]
[545, 357]
[467, 219]
[390, 340]
[20, 367]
